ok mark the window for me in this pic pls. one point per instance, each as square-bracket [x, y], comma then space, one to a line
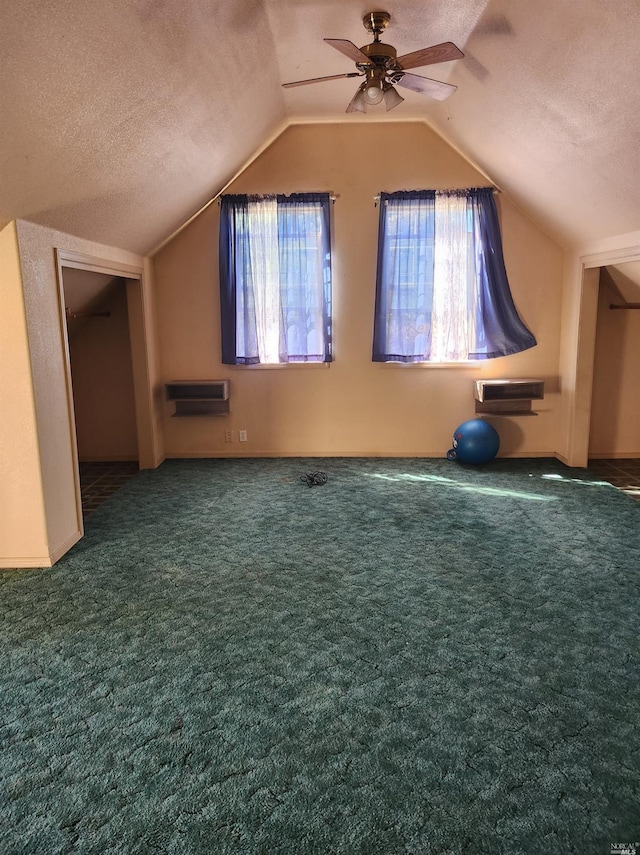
[275, 279]
[442, 293]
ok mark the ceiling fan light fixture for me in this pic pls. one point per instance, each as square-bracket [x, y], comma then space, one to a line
[373, 93]
[373, 87]
[391, 97]
[358, 103]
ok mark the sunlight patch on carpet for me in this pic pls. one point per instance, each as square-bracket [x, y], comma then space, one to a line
[473, 488]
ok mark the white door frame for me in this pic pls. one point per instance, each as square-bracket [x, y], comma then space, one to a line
[143, 396]
[590, 264]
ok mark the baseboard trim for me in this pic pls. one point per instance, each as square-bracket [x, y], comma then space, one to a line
[437, 455]
[24, 563]
[57, 554]
[616, 455]
[31, 562]
[109, 458]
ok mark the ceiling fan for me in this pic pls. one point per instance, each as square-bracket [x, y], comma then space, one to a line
[382, 69]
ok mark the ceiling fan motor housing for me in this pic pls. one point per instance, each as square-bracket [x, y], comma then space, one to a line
[380, 54]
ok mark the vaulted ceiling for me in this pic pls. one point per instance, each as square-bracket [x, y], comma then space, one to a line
[120, 119]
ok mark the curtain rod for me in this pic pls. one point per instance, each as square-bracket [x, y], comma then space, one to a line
[71, 314]
[496, 191]
[332, 196]
[624, 305]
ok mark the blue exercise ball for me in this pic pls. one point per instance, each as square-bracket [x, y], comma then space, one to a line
[475, 441]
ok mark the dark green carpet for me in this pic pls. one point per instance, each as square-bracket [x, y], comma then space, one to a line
[417, 657]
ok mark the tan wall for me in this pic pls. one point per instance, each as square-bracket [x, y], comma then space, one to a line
[579, 314]
[615, 405]
[147, 382]
[354, 407]
[39, 361]
[21, 488]
[572, 284]
[102, 378]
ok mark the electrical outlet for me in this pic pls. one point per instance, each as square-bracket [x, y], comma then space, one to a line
[242, 435]
[228, 436]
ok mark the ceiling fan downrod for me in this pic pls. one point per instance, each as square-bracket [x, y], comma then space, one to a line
[376, 22]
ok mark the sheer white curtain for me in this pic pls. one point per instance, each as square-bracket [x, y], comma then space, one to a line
[265, 275]
[455, 285]
[275, 278]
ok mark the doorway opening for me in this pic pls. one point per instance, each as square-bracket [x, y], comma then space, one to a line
[614, 440]
[580, 391]
[98, 335]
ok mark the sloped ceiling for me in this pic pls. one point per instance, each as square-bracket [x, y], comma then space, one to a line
[85, 293]
[121, 119]
[626, 280]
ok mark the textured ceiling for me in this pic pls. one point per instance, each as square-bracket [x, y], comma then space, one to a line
[119, 120]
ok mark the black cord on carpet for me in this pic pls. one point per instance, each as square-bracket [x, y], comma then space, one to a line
[314, 479]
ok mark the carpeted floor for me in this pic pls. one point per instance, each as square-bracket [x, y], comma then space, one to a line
[416, 657]
[100, 480]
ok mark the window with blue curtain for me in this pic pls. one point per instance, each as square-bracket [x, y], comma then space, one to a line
[275, 278]
[442, 293]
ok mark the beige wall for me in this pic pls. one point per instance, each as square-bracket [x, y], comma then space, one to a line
[102, 376]
[39, 430]
[354, 407]
[147, 382]
[21, 488]
[615, 406]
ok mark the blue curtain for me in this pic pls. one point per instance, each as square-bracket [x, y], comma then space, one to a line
[233, 264]
[442, 292]
[503, 333]
[275, 278]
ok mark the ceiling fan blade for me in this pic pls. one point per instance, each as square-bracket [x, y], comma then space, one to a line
[429, 56]
[320, 79]
[348, 49]
[426, 86]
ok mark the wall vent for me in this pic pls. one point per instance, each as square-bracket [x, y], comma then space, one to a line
[507, 397]
[199, 397]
